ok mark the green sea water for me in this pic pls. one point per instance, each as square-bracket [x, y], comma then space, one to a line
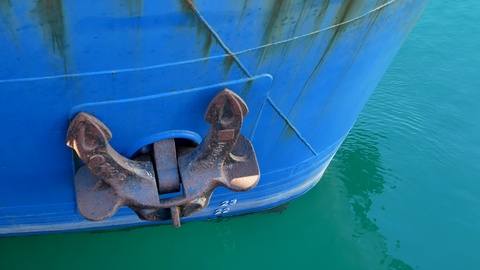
[403, 192]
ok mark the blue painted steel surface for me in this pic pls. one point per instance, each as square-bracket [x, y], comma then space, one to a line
[148, 70]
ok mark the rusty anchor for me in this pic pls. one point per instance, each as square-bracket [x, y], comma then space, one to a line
[108, 180]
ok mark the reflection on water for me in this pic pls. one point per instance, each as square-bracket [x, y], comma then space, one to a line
[359, 175]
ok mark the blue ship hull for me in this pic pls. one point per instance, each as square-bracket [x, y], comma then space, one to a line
[148, 70]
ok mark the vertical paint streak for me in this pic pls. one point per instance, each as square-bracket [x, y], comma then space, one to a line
[135, 7]
[343, 15]
[6, 16]
[277, 10]
[302, 18]
[286, 48]
[273, 17]
[309, 46]
[376, 14]
[240, 20]
[323, 12]
[51, 19]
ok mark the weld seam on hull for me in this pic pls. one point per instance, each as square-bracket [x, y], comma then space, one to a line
[284, 117]
[217, 37]
[113, 71]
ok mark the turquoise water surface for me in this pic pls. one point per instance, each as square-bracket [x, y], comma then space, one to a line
[401, 193]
